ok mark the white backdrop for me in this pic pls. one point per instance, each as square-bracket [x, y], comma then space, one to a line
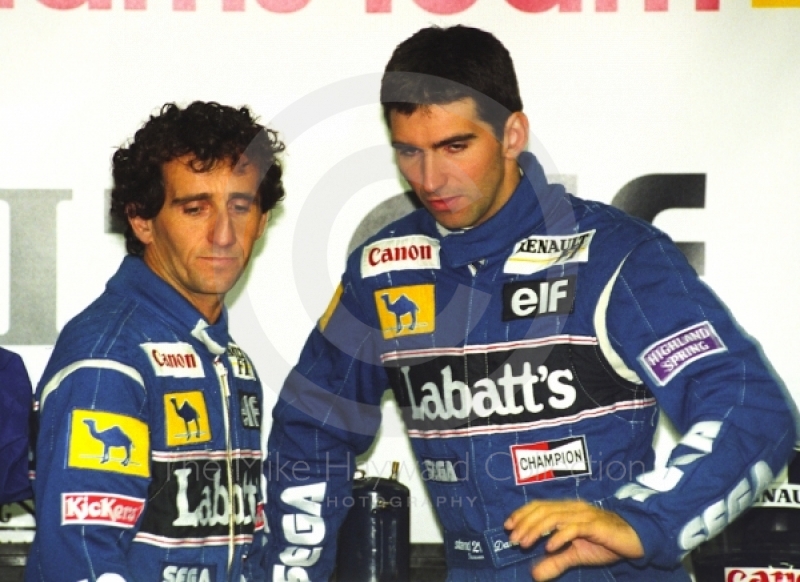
[614, 91]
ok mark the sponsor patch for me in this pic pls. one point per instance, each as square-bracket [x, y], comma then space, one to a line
[550, 460]
[240, 364]
[250, 410]
[448, 470]
[174, 572]
[768, 574]
[176, 360]
[665, 358]
[785, 495]
[100, 509]
[538, 253]
[529, 299]
[104, 441]
[186, 417]
[406, 310]
[400, 254]
[334, 302]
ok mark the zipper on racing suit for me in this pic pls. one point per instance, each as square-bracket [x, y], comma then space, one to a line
[222, 376]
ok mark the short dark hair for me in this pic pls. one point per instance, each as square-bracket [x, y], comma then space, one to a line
[209, 132]
[441, 65]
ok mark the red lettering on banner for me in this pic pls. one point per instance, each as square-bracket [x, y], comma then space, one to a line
[444, 6]
[184, 5]
[544, 5]
[6, 3]
[93, 4]
[233, 5]
[283, 6]
[379, 6]
[654, 5]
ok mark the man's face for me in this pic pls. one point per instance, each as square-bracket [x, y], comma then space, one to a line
[201, 239]
[451, 158]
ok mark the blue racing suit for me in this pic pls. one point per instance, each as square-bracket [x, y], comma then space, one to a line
[530, 355]
[148, 461]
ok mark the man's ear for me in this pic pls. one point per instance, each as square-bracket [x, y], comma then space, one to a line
[262, 224]
[142, 228]
[515, 135]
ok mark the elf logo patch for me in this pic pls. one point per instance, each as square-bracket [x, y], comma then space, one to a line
[187, 418]
[538, 253]
[529, 299]
[550, 460]
[105, 441]
[406, 310]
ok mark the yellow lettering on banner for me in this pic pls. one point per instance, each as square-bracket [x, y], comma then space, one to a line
[406, 310]
[104, 441]
[776, 3]
[186, 418]
[337, 295]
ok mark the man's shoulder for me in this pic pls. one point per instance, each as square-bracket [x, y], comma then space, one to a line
[611, 223]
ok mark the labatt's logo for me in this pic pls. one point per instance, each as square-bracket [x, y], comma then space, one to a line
[538, 253]
[761, 575]
[486, 397]
[214, 507]
[400, 254]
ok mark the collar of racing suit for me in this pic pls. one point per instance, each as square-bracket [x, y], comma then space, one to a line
[546, 209]
[134, 279]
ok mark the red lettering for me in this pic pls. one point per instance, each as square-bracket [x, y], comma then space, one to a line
[62, 4]
[283, 6]
[233, 5]
[656, 5]
[379, 6]
[6, 3]
[413, 253]
[544, 5]
[735, 576]
[707, 4]
[444, 6]
[184, 5]
[372, 256]
[426, 252]
[157, 358]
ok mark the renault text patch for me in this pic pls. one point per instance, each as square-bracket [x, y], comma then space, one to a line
[176, 359]
[665, 358]
[406, 310]
[538, 253]
[550, 460]
[100, 509]
[186, 418]
[105, 441]
[400, 254]
[529, 299]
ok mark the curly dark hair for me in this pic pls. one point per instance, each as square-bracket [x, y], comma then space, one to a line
[209, 132]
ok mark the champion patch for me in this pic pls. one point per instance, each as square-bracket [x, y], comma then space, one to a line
[104, 441]
[186, 418]
[665, 358]
[406, 310]
[240, 364]
[538, 253]
[176, 360]
[93, 508]
[550, 460]
[400, 254]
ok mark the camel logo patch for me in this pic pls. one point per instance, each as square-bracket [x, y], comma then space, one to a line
[406, 310]
[105, 441]
[186, 418]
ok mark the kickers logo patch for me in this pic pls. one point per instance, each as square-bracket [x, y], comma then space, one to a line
[104, 441]
[186, 417]
[400, 254]
[665, 358]
[406, 310]
[172, 572]
[177, 360]
[100, 509]
[538, 253]
[550, 460]
[529, 299]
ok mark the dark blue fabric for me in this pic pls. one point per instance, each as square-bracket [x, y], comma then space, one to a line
[16, 401]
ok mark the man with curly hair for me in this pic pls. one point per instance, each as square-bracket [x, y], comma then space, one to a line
[148, 456]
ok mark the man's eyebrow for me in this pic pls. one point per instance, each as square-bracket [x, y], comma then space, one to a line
[454, 139]
[178, 200]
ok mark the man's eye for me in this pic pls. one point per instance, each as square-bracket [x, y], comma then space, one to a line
[192, 209]
[406, 152]
[457, 147]
[242, 206]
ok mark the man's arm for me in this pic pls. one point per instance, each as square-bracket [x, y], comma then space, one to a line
[328, 412]
[663, 324]
[92, 471]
